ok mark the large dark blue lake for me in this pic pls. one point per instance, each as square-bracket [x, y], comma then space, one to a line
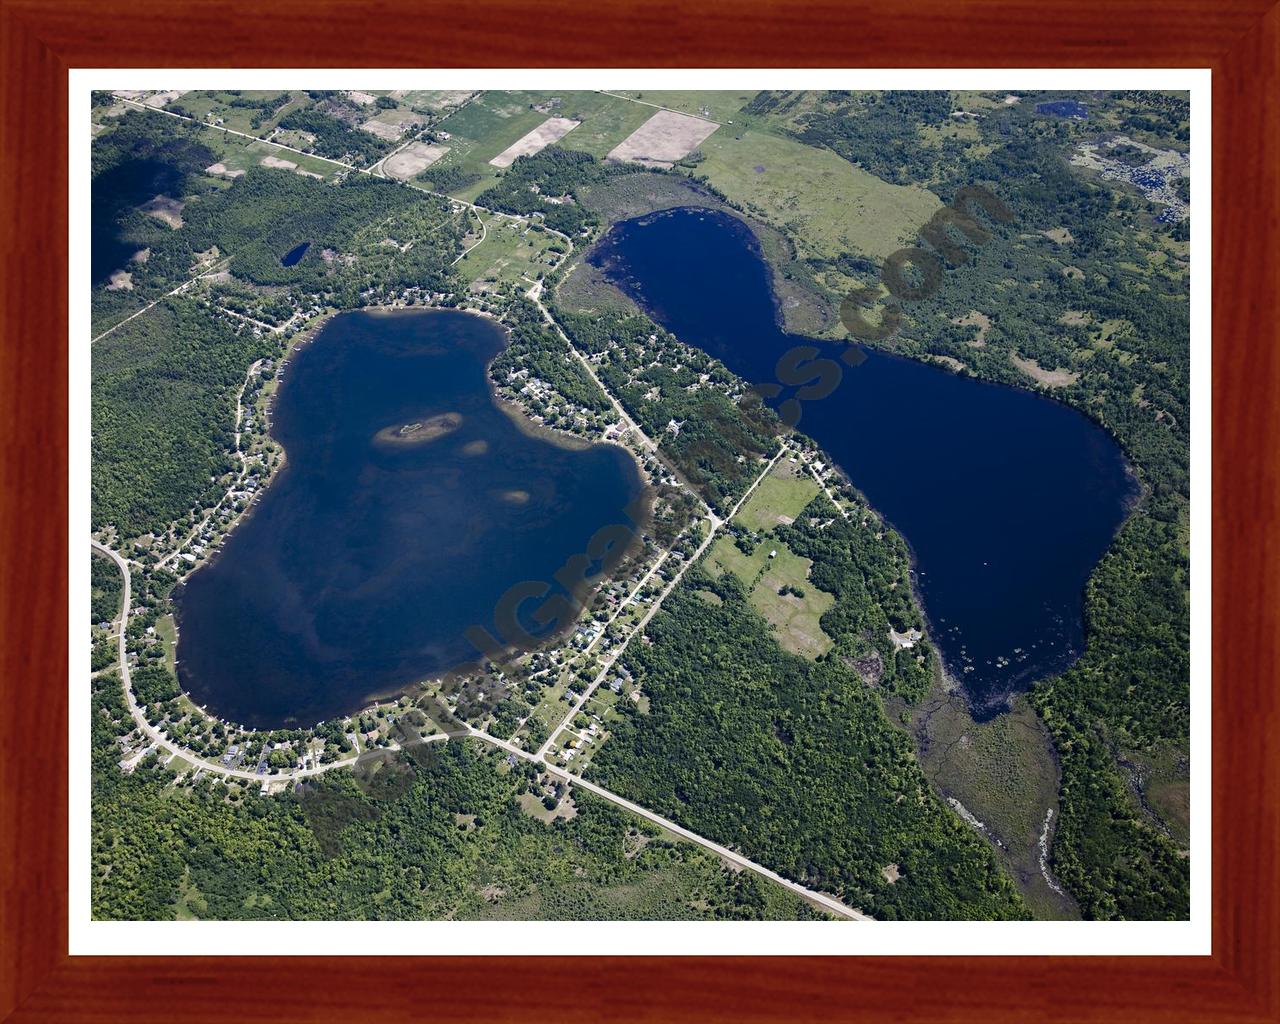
[1008, 499]
[410, 502]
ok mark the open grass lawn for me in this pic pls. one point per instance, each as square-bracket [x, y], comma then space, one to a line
[794, 619]
[168, 635]
[831, 206]
[779, 498]
[725, 556]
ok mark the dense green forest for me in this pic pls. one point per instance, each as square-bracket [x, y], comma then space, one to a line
[164, 398]
[106, 589]
[554, 172]
[791, 762]
[1088, 280]
[140, 158]
[435, 833]
[265, 213]
[337, 140]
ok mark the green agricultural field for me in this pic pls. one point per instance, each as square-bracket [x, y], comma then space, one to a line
[488, 125]
[780, 497]
[606, 121]
[718, 104]
[830, 206]
[479, 132]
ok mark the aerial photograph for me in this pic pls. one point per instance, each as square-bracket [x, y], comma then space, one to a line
[639, 505]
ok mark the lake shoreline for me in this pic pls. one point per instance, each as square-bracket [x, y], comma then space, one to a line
[997, 442]
[515, 414]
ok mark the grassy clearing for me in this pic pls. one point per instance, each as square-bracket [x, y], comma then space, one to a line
[431, 100]
[777, 579]
[238, 154]
[794, 616]
[168, 634]
[215, 106]
[511, 253]
[533, 806]
[1163, 774]
[726, 556]
[829, 205]
[779, 498]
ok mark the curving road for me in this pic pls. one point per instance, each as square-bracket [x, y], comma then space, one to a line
[162, 741]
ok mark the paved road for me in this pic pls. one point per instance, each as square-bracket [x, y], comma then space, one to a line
[645, 440]
[159, 738]
[312, 156]
[716, 525]
[827, 902]
[172, 556]
[161, 741]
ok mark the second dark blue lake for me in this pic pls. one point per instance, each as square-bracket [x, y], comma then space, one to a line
[1007, 498]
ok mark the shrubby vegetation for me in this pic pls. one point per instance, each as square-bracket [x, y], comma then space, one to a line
[791, 762]
[528, 186]
[877, 130]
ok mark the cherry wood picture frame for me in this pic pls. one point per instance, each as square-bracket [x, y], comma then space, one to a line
[41, 39]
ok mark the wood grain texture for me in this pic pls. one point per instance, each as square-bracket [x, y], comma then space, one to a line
[39, 41]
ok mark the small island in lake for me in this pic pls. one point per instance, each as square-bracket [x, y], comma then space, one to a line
[421, 431]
